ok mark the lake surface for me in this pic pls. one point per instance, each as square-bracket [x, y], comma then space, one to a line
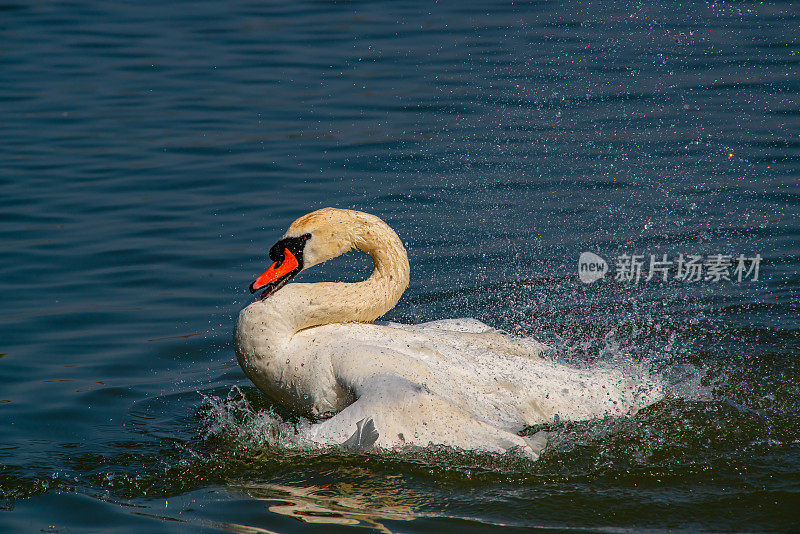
[151, 154]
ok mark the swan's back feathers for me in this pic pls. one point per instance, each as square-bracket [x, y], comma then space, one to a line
[467, 329]
[461, 324]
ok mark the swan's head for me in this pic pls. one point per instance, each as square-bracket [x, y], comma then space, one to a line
[312, 239]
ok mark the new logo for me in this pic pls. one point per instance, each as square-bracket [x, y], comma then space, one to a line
[591, 267]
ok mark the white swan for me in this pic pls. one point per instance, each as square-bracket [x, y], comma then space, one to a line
[313, 348]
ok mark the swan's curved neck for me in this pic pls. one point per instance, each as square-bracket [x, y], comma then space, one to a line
[302, 306]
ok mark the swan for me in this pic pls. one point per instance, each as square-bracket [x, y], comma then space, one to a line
[314, 349]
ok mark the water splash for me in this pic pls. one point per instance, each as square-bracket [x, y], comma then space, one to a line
[234, 418]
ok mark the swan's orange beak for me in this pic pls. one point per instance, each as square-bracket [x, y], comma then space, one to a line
[277, 275]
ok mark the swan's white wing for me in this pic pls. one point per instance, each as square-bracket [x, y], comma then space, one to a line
[474, 378]
[402, 412]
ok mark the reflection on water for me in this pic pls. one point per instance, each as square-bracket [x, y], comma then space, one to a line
[338, 504]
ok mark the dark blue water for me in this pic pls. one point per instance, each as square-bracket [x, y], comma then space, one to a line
[150, 154]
